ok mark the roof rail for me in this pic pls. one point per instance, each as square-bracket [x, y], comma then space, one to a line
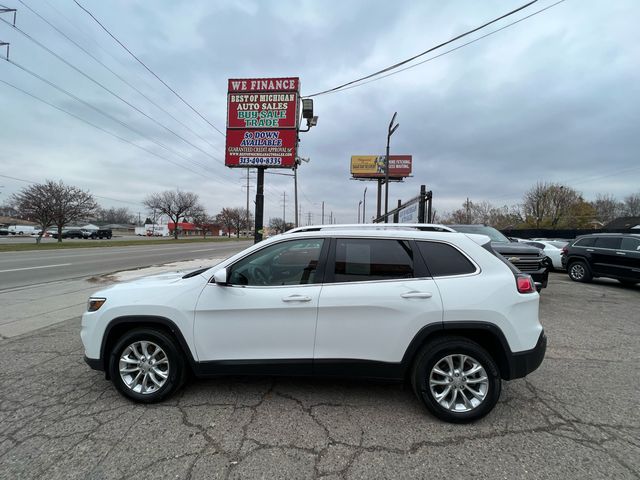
[425, 227]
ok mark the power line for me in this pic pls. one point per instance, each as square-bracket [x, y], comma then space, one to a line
[107, 115]
[88, 77]
[105, 131]
[148, 69]
[122, 79]
[97, 196]
[403, 62]
[454, 49]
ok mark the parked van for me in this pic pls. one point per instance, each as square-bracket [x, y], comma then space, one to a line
[23, 229]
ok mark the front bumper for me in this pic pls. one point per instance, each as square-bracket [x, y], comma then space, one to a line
[523, 363]
[94, 363]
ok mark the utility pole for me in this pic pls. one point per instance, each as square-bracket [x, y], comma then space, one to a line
[308, 218]
[248, 226]
[295, 192]
[284, 211]
[257, 236]
[364, 206]
[467, 208]
[322, 214]
[392, 129]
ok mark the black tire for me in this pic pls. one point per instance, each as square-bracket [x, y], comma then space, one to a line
[436, 351]
[176, 364]
[579, 271]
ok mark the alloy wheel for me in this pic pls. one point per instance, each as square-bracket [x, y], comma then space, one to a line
[459, 383]
[577, 271]
[144, 367]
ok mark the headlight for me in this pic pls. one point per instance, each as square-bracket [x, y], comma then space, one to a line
[95, 303]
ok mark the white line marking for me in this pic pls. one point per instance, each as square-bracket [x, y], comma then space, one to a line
[33, 268]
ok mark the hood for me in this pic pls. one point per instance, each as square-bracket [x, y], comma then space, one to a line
[515, 248]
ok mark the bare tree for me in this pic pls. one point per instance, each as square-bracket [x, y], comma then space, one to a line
[278, 225]
[226, 218]
[632, 205]
[240, 217]
[606, 207]
[201, 220]
[549, 203]
[54, 203]
[8, 210]
[173, 204]
[114, 215]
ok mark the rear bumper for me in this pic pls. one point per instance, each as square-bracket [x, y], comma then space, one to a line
[523, 363]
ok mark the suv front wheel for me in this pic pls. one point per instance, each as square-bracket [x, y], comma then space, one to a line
[146, 365]
[456, 379]
[579, 271]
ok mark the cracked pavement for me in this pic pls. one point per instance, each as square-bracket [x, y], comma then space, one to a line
[577, 416]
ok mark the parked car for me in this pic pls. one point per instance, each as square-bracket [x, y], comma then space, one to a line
[22, 229]
[4, 231]
[439, 309]
[526, 258]
[72, 233]
[101, 233]
[552, 249]
[611, 255]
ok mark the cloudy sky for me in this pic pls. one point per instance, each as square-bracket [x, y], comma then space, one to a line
[552, 98]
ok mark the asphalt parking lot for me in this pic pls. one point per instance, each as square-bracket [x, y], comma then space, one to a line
[578, 416]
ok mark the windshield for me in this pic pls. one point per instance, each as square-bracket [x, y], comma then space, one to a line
[490, 232]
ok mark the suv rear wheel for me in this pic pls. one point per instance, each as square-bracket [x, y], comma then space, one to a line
[579, 271]
[456, 379]
[146, 365]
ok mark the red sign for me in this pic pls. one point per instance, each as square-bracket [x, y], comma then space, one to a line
[291, 84]
[262, 110]
[262, 122]
[261, 148]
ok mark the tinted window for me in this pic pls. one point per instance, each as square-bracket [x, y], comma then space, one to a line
[608, 242]
[364, 259]
[287, 263]
[631, 244]
[585, 242]
[443, 259]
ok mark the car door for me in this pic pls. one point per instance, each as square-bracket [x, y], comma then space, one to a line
[376, 297]
[630, 257]
[266, 314]
[606, 260]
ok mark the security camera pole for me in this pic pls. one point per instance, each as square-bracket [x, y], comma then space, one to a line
[392, 129]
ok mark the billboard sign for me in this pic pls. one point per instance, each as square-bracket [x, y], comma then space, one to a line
[262, 122]
[261, 148]
[372, 166]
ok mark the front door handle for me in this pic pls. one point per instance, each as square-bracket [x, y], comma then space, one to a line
[296, 298]
[589, 249]
[417, 295]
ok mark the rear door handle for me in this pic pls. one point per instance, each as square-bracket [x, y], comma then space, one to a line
[417, 295]
[620, 253]
[589, 250]
[296, 298]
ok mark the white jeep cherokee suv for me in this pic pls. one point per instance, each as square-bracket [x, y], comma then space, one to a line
[441, 310]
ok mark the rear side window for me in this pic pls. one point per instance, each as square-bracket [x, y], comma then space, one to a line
[364, 259]
[443, 260]
[608, 242]
[631, 244]
[585, 242]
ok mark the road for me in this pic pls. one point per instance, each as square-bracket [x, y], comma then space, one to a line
[20, 269]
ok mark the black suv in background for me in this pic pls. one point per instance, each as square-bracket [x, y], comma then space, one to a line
[611, 255]
[526, 258]
[101, 233]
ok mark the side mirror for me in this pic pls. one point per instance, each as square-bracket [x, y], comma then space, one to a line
[220, 277]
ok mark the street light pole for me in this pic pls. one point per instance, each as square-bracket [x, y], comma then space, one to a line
[359, 203]
[364, 206]
[392, 129]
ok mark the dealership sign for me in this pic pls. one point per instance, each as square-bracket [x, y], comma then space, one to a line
[262, 122]
[372, 166]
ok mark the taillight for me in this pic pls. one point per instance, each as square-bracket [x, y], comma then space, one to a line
[525, 284]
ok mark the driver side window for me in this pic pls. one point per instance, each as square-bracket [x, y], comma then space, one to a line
[293, 262]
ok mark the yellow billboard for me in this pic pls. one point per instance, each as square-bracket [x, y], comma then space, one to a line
[372, 166]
